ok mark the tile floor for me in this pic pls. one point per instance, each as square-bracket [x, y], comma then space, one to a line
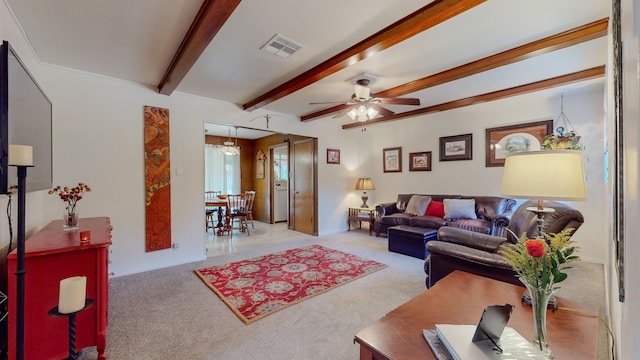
[263, 235]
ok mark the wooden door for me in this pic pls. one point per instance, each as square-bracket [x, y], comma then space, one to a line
[302, 187]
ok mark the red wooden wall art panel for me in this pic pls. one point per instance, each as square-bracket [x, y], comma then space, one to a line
[157, 178]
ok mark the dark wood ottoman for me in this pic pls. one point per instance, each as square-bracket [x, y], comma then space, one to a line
[410, 240]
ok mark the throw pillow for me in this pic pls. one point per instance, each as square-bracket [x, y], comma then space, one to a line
[435, 208]
[403, 200]
[459, 209]
[417, 204]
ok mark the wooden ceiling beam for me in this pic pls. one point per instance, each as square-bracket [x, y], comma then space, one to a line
[431, 15]
[545, 45]
[583, 75]
[209, 20]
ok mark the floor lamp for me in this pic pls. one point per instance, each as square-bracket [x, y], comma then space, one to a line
[20, 156]
[544, 175]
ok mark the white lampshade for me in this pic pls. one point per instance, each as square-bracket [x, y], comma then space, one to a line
[20, 155]
[544, 175]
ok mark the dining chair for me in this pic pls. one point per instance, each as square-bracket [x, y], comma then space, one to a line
[250, 206]
[210, 210]
[237, 213]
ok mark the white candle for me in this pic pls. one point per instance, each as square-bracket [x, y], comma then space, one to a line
[73, 292]
[20, 155]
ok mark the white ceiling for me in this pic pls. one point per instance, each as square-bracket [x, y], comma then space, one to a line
[136, 41]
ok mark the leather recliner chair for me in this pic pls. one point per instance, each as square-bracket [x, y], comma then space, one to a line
[476, 253]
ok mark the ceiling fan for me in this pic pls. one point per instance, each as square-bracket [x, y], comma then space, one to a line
[365, 106]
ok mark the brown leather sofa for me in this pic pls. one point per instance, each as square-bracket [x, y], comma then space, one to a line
[476, 253]
[492, 213]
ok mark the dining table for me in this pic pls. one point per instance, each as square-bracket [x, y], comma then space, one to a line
[220, 203]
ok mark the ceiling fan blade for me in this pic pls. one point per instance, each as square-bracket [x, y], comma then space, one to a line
[399, 101]
[326, 102]
[383, 111]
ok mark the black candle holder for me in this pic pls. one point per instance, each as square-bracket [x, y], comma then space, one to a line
[73, 355]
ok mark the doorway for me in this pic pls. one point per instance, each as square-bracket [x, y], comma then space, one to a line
[301, 155]
[280, 189]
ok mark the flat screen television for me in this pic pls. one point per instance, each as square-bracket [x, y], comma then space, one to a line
[25, 119]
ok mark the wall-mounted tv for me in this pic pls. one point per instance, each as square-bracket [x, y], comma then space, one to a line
[25, 119]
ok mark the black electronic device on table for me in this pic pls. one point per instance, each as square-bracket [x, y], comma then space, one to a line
[492, 323]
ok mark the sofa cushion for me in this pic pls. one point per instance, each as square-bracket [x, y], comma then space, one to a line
[459, 209]
[395, 219]
[435, 208]
[427, 221]
[403, 200]
[418, 205]
[477, 225]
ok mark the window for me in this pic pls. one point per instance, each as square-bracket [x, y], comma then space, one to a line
[221, 172]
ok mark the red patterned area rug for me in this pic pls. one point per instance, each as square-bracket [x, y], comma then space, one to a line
[258, 287]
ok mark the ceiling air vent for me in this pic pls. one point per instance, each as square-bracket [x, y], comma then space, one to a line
[281, 46]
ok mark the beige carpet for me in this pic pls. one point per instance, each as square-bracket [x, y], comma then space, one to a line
[168, 314]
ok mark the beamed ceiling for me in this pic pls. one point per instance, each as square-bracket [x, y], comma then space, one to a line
[447, 53]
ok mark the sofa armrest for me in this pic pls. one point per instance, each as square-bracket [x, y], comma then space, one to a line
[472, 239]
[386, 209]
[461, 252]
[499, 224]
[504, 218]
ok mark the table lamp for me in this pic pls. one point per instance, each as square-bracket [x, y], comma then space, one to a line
[365, 183]
[544, 175]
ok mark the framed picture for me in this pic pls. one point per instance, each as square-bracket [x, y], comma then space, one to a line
[420, 161]
[458, 147]
[504, 140]
[392, 159]
[333, 156]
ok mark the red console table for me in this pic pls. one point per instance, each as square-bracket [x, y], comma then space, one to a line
[50, 256]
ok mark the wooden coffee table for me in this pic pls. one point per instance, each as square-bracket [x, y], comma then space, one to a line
[460, 298]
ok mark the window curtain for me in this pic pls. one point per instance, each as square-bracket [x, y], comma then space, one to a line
[221, 172]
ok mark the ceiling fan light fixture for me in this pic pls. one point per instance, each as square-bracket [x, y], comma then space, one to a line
[371, 112]
[362, 113]
[352, 114]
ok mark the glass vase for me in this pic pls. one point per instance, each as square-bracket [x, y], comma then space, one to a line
[539, 300]
[70, 220]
